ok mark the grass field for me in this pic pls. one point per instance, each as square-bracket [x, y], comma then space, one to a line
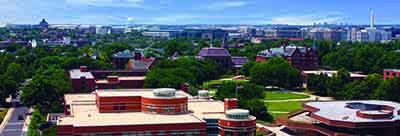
[284, 106]
[3, 113]
[278, 95]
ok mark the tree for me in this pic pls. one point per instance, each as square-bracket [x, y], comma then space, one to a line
[36, 120]
[275, 72]
[5, 60]
[317, 83]
[364, 89]
[15, 72]
[46, 88]
[389, 90]
[337, 83]
[245, 70]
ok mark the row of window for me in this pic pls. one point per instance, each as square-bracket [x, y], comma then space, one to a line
[166, 109]
[149, 133]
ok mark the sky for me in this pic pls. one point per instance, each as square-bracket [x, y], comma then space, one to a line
[175, 12]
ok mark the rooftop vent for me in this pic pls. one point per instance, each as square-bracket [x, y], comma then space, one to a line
[164, 92]
[237, 114]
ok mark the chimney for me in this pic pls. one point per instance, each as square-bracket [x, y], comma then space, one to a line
[112, 79]
[230, 104]
[371, 19]
[83, 69]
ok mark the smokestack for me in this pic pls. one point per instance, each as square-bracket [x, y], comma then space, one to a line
[371, 19]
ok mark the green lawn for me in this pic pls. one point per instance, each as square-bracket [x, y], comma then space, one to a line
[284, 106]
[3, 113]
[278, 95]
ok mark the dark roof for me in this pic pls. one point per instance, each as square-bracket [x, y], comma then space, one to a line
[214, 52]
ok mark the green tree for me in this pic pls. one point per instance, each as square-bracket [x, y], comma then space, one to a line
[389, 90]
[364, 89]
[275, 72]
[36, 120]
[245, 70]
[317, 83]
[337, 83]
[46, 88]
[15, 72]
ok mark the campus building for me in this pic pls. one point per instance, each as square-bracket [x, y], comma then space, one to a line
[131, 60]
[390, 73]
[345, 118]
[222, 57]
[298, 57]
[87, 81]
[151, 112]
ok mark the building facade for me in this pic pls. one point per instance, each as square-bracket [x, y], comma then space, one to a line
[298, 57]
[88, 81]
[345, 118]
[219, 55]
[152, 112]
[390, 73]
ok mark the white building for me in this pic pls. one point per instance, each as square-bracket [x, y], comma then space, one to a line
[372, 34]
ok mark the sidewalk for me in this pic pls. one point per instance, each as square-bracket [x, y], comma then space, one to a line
[6, 119]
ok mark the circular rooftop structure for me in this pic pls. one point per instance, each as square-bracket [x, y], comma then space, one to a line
[164, 92]
[237, 114]
[204, 94]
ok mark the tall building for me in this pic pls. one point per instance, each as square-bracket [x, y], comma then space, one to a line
[164, 112]
[373, 34]
[345, 118]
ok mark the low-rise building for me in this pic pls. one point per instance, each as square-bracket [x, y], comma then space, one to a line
[390, 73]
[84, 80]
[345, 118]
[152, 112]
[298, 57]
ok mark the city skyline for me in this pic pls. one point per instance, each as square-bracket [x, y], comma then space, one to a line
[176, 12]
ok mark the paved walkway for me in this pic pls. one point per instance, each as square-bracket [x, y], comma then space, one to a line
[11, 126]
[276, 130]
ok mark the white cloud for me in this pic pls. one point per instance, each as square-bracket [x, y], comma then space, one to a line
[226, 4]
[170, 19]
[304, 20]
[108, 3]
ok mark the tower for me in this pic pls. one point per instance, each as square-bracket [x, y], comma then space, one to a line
[225, 42]
[371, 19]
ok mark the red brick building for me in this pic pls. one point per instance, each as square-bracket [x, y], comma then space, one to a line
[151, 112]
[132, 61]
[298, 57]
[84, 81]
[390, 73]
[345, 118]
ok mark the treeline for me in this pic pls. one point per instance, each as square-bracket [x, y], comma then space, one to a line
[172, 73]
[342, 87]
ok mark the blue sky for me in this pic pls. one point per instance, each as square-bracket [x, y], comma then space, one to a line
[198, 11]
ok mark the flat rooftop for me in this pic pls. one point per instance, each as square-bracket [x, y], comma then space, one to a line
[393, 70]
[337, 110]
[134, 92]
[88, 115]
[84, 111]
[330, 73]
[123, 78]
[77, 74]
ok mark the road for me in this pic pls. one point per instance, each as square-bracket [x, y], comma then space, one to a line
[13, 126]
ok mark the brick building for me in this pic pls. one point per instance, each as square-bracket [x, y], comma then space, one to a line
[151, 112]
[390, 73]
[298, 57]
[85, 81]
[131, 60]
[222, 57]
[345, 118]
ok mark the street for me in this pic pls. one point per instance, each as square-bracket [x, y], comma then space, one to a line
[13, 126]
